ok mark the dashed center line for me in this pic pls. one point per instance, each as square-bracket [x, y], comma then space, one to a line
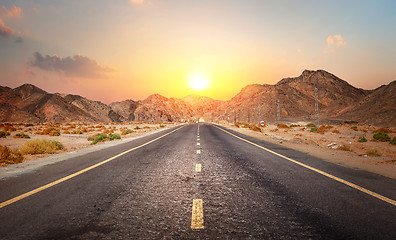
[198, 151]
[197, 221]
[198, 167]
[198, 144]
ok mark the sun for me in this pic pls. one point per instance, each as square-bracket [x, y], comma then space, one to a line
[198, 82]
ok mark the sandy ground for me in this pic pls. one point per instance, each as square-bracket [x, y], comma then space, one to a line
[325, 145]
[73, 142]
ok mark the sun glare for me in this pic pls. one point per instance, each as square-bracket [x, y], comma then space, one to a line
[198, 82]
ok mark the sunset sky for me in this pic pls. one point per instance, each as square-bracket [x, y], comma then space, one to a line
[128, 49]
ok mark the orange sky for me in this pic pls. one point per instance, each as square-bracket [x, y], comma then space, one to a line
[117, 50]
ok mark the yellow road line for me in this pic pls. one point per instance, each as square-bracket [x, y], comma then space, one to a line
[198, 167]
[198, 151]
[39, 189]
[197, 221]
[376, 195]
[198, 144]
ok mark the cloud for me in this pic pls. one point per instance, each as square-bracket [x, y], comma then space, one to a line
[76, 66]
[137, 1]
[15, 11]
[4, 30]
[336, 39]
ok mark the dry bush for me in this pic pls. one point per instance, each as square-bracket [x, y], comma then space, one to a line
[281, 125]
[373, 152]
[344, 148]
[21, 135]
[254, 127]
[66, 132]
[4, 134]
[8, 156]
[50, 131]
[77, 132]
[9, 128]
[383, 130]
[335, 131]
[146, 127]
[126, 131]
[40, 146]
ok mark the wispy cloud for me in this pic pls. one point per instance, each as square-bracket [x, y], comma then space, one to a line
[4, 30]
[4, 13]
[76, 66]
[14, 11]
[335, 40]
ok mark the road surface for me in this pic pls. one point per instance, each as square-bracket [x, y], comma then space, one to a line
[197, 181]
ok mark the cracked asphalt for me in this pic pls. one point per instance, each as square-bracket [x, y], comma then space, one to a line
[148, 193]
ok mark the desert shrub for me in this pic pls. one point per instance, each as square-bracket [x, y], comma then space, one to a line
[294, 125]
[146, 127]
[344, 148]
[100, 137]
[40, 146]
[21, 135]
[373, 152]
[383, 130]
[162, 126]
[237, 124]
[9, 128]
[4, 134]
[66, 132]
[8, 156]
[254, 127]
[393, 141]
[381, 137]
[314, 129]
[126, 131]
[29, 125]
[54, 132]
[114, 136]
[354, 128]
[137, 127]
[362, 139]
[77, 132]
[281, 125]
[311, 125]
[335, 131]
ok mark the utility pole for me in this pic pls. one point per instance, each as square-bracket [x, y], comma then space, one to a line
[316, 107]
[259, 116]
[277, 111]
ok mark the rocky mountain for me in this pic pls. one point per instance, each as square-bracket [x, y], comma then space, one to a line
[337, 100]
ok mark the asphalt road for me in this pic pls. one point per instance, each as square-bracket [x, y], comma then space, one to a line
[148, 193]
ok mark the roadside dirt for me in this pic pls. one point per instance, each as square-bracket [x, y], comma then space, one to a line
[326, 146]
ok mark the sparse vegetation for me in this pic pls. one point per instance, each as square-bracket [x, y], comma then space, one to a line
[8, 156]
[102, 137]
[21, 135]
[373, 152]
[393, 141]
[381, 137]
[362, 139]
[354, 128]
[4, 134]
[77, 132]
[162, 126]
[126, 131]
[314, 129]
[40, 146]
[311, 125]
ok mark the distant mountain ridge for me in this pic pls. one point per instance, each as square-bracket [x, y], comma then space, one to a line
[337, 100]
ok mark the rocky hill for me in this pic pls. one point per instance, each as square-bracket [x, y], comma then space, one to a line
[338, 100]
